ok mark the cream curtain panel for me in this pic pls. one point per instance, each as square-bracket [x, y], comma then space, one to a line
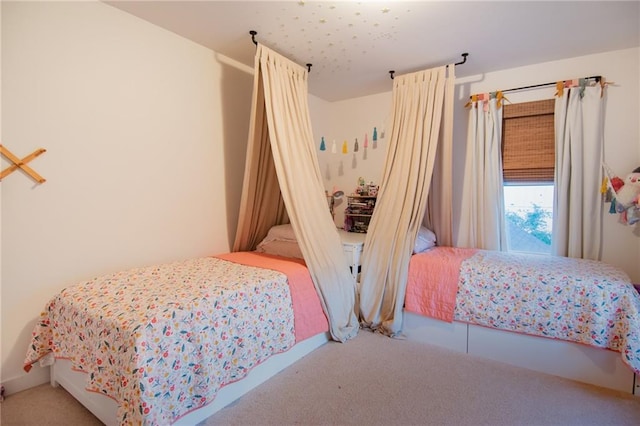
[482, 220]
[261, 204]
[577, 206]
[439, 216]
[417, 109]
[281, 121]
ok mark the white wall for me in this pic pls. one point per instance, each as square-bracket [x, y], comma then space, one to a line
[145, 135]
[622, 130]
[348, 120]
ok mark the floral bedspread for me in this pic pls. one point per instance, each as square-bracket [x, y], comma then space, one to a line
[162, 340]
[578, 300]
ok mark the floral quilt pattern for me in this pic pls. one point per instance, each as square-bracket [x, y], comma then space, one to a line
[578, 300]
[162, 340]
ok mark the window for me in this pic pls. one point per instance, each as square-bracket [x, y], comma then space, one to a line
[528, 210]
[528, 161]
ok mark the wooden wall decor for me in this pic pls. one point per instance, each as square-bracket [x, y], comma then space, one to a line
[21, 164]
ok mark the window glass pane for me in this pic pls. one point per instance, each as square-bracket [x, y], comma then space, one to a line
[528, 210]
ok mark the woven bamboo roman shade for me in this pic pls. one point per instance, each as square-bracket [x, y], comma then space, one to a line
[528, 143]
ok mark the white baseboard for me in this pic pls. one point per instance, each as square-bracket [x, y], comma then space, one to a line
[37, 376]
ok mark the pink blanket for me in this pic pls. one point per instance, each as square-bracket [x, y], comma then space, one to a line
[309, 319]
[433, 281]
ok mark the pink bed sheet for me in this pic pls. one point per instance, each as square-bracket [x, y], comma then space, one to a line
[309, 318]
[432, 284]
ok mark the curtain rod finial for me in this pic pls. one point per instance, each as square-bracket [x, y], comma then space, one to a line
[253, 36]
[391, 74]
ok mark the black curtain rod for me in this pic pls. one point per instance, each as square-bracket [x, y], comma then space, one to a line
[597, 78]
[253, 39]
[464, 59]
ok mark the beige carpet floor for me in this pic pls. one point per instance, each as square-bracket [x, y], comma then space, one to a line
[374, 380]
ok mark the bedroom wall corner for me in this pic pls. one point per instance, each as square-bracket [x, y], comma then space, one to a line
[236, 92]
[349, 120]
[144, 133]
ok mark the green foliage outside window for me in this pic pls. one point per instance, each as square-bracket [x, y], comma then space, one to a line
[532, 222]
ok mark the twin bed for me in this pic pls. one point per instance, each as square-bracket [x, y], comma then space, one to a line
[575, 318]
[175, 343]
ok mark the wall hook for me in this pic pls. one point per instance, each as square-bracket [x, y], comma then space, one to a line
[21, 164]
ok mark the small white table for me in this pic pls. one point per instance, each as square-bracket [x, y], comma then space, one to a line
[352, 244]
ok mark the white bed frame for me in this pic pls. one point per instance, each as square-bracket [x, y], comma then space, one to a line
[587, 364]
[105, 408]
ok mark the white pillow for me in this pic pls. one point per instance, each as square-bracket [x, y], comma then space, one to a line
[425, 240]
[280, 248]
[280, 241]
[282, 232]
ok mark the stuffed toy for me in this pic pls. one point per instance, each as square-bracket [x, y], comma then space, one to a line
[628, 198]
[627, 194]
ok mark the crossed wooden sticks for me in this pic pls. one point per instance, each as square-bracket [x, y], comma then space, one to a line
[21, 164]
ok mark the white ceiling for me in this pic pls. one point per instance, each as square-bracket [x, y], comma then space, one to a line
[354, 44]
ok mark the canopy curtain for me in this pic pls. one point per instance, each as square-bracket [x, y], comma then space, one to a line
[280, 119]
[417, 109]
[261, 204]
[577, 204]
[439, 215]
[482, 220]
